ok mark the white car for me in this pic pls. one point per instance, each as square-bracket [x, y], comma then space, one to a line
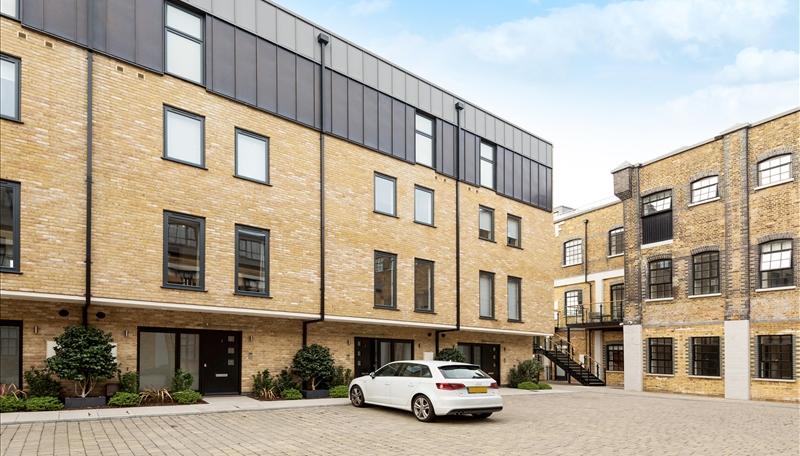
[429, 389]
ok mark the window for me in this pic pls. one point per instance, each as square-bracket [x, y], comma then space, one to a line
[774, 170]
[184, 251]
[11, 352]
[9, 87]
[660, 274]
[252, 261]
[423, 205]
[370, 353]
[423, 285]
[184, 137]
[486, 223]
[487, 165]
[660, 355]
[573, 303]
[705, 189]
[159, 359]
[416, 370]
[514, 231]
[385, 196]
[10, 8]
[514, 299]
[424, 140]
[705, 356]
[657, 217]
[486, 285]
[615, 359]
[573, 252]
[184, 44]
[775, 357]
[385, 280]
[776, 264]
[705, 273]
[9, 226]
[252, 156]
[616, 241]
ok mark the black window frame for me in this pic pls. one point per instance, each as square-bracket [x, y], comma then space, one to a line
[241, 131]
[202, 119]
[393, 256]
[692, 189]
[518, 304]
[432, 137]
[616, 241]
[201, 241]
[182, 34]
[433, 205]
[705, 356]
[17, 10]
[657, 360]
[490, 211]
[16, 206]
[260, 232]
[509, 218]
[652, 274]
[20, 352]
[376, 175]
[18, 85]
[776, 157]
[493, 162]
[616, 364]
[776, 365]
[565, 255]
[788, 279]
[705, 273]
[576, 296]
[491, 276]
[653, 217]
[432, 294]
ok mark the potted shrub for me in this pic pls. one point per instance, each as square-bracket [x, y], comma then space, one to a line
[83, 355]
[314, 365]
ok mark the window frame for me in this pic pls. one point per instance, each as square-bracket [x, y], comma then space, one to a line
[616, 363]
[432, 294]
[18, 84]
[698, 370]
[651, 283]
[564, 254]
[509, 218]
[491, 276]
[16, 18]
[493, 162]
[241, 131]
[656, 214]
[201, 241]
[393, 256]
[376, 175]
[182, 112]
[432, 137]
[20, 352]
[761, 271]
[490, 211]
[257, 231]
[697, 260]
[518, 304]
[578, 296]
[616, 237]
[692, 189]
[166, 29]
[667, 366]
[433, 204]
[762, 364]
[790, 164]
[16, 206]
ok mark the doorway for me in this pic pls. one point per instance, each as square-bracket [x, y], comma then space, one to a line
[371, 353]
[487, 356]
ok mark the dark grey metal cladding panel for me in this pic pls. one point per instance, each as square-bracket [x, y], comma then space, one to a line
[518, 176]
[317, 97]
[120, 29]
[32, 13]
[438, 162]
[326, 101]
[150, 33]
[508, 171]
[548, 204]
[470, 161]
[448, 149]
[399, 129]
[411, 155]
[223, 72]
[500, 175]
[339, 104]
[97, 16]
[305, 90]
[267, 75]
[384, 123]
[355, 111]
[287, 84]
[370, 117]
[526, 180]
[246, 67]
[542, 186]
[61, 18]
[534, 183]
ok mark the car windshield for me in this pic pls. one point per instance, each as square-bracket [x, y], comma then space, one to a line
[463, 371]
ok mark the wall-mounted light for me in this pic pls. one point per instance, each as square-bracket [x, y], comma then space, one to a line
[63, 313]
[35, 329]
[100, 315]
[250, 338]
[125, 333]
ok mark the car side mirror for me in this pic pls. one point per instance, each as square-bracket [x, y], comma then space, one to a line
[372, 375]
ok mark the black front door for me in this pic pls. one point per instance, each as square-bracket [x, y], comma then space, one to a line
[487, 356]
[220, 362]
[371, 353]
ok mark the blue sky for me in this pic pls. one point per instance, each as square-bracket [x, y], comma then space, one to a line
[604, 81]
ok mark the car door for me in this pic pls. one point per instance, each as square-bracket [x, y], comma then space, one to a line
[378, 387]
[409, 383]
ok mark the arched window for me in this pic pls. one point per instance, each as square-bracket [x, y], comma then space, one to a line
[775, 264]
[774, 170]
[573, 252]
[660, 279]
[705, 273]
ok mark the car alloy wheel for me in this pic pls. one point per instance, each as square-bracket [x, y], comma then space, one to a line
[423, 409]
[356, 397]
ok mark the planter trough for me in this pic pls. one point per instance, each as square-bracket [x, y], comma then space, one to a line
[315, 394]
[84, 402]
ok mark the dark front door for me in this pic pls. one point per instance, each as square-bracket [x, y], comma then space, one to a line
[487, 356]
[220, 362]
[371, 353]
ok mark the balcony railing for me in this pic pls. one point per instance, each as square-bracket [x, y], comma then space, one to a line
[594, 313]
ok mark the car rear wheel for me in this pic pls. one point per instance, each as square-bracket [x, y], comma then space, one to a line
[423, 408]
[481, 416]
[356, 396]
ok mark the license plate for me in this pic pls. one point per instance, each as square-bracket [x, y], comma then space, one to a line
[477, 389]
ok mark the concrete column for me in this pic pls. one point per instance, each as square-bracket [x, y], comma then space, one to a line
[737, 359]
[632, 337]
[599, 294]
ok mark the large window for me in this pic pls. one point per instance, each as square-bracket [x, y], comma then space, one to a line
[514, 299]
[486, 292]
[659, 355]
[252, 156]
[486, 223]
[252, 261]
[10, 8]
[385, 280]
[184, 251]
[184, 43]
[423, 205]
[424, 140]
[184, 137]
[161, 352]
[705, 189]
[615, 359]
[705, 273]
[775, 357]
[657, 217]
[11, 352]
[487, 165]
[617, 300]
[660, 279]
[9, 87]
[573, 252]
[705, 356]
[616, 241]
[776, 264]
[514, 231]
[775, 170]
[573, 303]
[371, 354]
[423, 285]
[385, 194]
[9, 226]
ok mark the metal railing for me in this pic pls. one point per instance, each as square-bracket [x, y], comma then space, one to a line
[597, 312]
[558, 343]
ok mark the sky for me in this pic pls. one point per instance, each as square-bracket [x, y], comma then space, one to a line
[604, 81]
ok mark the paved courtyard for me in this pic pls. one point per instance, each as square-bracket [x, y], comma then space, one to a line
[576, 421]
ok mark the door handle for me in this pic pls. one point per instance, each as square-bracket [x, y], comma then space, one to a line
[205, 365]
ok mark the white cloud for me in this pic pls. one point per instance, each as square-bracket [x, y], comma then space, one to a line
[368, 7]
[753, 64]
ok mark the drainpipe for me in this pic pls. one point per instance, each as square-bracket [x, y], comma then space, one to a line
[459, 107]
[88, 259]
[586, 277]
[323, 40]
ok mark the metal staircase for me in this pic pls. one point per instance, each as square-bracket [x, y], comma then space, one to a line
[561, 353]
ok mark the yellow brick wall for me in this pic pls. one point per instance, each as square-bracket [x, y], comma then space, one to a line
[768, 389]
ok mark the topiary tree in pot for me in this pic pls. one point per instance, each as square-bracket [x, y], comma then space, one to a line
[450, 354]
[84, 356]
[314, 365]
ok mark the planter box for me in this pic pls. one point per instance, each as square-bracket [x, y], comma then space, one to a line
[314, 394]
[84, 402]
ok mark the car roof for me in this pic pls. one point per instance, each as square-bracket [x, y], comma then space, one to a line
[433, 363]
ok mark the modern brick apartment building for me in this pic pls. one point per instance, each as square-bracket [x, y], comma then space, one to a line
[217, 183]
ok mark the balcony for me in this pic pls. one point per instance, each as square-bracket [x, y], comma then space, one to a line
[594, 315]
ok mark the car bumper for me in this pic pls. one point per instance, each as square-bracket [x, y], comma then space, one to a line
[464, 405]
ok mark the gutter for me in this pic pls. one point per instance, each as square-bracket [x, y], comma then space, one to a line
[89, 136]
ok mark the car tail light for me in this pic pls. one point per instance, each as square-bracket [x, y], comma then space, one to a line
[450, 386]
[494, 385]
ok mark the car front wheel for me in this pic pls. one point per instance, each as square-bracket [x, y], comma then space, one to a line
[356, 396]
[423, 408]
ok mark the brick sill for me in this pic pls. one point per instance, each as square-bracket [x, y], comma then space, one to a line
[659, 300]
[716, 198]
[707, 377]
[615, 256]
[659, 375]
[710, 295]
[775, 380]
[764, 290]
[614, 372]
[656, 244]
[762, 187]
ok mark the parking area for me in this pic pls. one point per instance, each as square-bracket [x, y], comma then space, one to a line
[570, 420]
